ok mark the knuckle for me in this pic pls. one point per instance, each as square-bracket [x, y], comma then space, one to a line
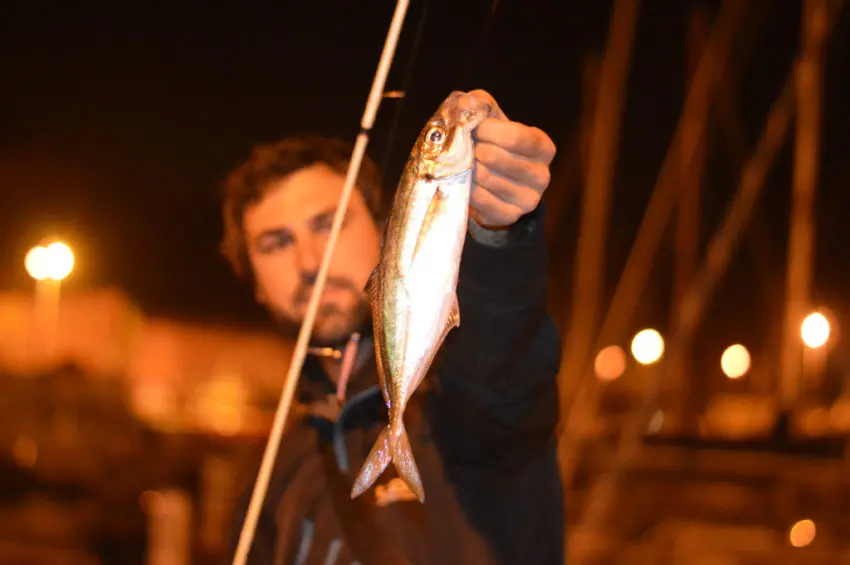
[542, 177]
[547, 145]
[484, 152]
[483, 174]
[515, 138]
[478, 198]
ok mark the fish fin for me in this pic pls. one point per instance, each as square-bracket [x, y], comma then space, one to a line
[454, 315]
[406, 465]
[452, 322]
[381, 368]
[376, 463]
[371, 288]
[433, 207]
[373, 295]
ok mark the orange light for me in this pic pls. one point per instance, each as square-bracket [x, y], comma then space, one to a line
[815, 330]
[52, 262]
[647, 347]
[802, 533]
[735, 361]
[610, 363]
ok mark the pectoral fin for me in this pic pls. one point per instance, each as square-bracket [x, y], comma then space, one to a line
[454, 315]
[452, 322]
[437, 202]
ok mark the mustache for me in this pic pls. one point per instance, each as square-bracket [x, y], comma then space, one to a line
[308, 281]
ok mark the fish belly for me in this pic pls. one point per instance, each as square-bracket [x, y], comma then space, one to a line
[430, 285]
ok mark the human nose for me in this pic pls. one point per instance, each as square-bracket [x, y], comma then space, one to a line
[309, 257]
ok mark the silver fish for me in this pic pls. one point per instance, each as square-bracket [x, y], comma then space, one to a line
[412, 291]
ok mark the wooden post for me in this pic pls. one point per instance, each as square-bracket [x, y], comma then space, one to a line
[582, 406]
[570, 174]
[681, 384]
[601, 164]
[573, 158]
[604, 491]
[801, 234]
[590, 77]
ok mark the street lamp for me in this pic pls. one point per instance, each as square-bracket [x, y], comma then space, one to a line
[735, 361]
[49, 265]
[610, 363]
[53, 262]
[647, 346]
[815, 330]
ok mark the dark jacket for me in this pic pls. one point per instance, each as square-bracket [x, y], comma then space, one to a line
[482, 429]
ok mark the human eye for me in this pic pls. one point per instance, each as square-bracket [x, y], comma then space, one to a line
[274, 240]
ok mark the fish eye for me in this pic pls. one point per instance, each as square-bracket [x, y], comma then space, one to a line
[435, 135]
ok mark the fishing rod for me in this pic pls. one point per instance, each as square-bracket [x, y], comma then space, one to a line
[246, 536]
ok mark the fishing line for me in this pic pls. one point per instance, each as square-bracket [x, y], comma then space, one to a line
[411, 63]
[261, 484]
[405, 85]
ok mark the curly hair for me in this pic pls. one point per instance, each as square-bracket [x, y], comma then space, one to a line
[271, 162]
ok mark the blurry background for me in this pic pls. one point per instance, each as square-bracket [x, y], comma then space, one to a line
[137, 392]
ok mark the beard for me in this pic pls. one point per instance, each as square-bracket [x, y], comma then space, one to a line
[333, 325]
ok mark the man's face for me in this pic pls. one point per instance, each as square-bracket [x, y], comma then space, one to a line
[286, 233]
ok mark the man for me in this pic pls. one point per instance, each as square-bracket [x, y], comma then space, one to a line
[482, 426]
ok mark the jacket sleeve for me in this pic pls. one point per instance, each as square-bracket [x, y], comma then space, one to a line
[265, 534]
[292, 485]
[497, 401]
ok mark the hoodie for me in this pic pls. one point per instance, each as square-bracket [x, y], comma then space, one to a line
[482, 430]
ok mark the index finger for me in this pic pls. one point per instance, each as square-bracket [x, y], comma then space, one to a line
[517, 138]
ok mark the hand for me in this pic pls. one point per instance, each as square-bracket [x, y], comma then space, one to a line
[511, 169]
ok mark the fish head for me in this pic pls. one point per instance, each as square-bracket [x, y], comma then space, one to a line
[445, 146]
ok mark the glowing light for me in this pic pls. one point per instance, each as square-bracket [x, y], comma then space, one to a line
[221, 405]
[802, 533]
[647, 347]
[815, 330]
[36, 263]
[735, 361]
[610, 363]
[25, 452]
[52, 262]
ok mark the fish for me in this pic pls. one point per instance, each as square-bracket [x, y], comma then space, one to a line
[413, 290]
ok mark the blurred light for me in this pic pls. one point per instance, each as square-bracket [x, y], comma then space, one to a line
[154, 401]
[647, 347]
[36, 263]
[655, 423]
[53, 262]
[610, 363]
[25, 452]
[221, 404]
[802, 533]
[735, 361]
[815, 330]
[61, 261]
[150, 499]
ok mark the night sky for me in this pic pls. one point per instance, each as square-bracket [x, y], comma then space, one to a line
[119, 120]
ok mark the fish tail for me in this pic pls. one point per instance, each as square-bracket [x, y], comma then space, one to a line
[402, 457]
[393, 445]
[376, 463]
